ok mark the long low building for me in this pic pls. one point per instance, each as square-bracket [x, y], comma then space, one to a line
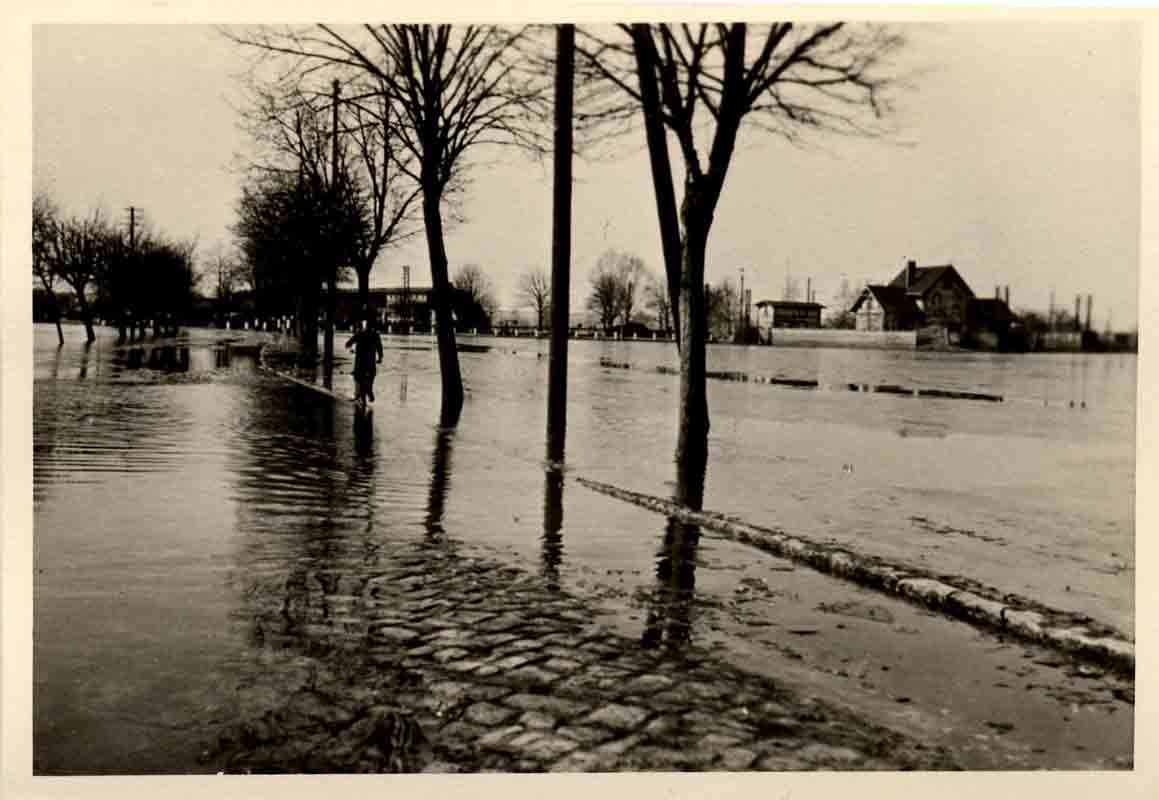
[409, 308]
[790, 313]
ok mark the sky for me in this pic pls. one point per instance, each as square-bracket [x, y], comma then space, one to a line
[1016, 158]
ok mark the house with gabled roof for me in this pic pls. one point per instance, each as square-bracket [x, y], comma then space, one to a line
[916, 297]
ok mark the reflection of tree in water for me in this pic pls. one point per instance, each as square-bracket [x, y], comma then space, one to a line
[552, 538]
[671, 614]
[440, 485]
[84, 364]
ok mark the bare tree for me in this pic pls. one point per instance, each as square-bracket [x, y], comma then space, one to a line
[605, 296]
[224, 269]
[692, 80]
[79, 254]
[632, 277]
[535, 290]
[722, 305]
[291, 127]
[473, 281]
[370, 156]
[390, 196]
[657, 300]
[454, 88]
[45, 230]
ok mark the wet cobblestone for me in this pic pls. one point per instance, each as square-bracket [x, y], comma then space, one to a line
[404, 681]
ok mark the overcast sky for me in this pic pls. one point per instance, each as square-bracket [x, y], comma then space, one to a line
[1017, 160]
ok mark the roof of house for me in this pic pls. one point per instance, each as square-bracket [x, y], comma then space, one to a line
[891, 298]
[926, 277]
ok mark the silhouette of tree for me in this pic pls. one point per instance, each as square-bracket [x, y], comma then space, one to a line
[785, 78]
[535, 290]
[455, 88]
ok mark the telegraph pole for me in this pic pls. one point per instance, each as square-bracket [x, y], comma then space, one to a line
[741, 310]
[406, 297]
[133, 228]
[560, 242]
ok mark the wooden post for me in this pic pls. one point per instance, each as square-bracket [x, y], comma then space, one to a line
[560, 242]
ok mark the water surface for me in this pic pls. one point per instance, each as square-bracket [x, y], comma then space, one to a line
[177, 489]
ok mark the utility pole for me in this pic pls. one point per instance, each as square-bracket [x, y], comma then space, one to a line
[406, 297]
[741, 310]
[560, 242]
[133, 228]
[332, 294]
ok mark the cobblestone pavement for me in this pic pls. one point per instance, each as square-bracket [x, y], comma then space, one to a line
[439, 662]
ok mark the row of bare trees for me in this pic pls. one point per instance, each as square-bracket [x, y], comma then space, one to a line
[455, 89]
[130, 277]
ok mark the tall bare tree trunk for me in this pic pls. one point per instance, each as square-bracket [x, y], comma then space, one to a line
[661, 167]
[86, 314]
[692, 435]
[363, 271]
[56, 318]
[452, 403]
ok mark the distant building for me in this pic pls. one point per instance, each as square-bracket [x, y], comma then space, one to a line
[409, 309]
[790, 313]
[885, 308]
[917, 296]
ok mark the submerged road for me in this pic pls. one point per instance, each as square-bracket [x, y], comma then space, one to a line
[303, 588]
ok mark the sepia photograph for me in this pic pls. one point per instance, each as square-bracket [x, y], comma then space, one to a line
[583, 397]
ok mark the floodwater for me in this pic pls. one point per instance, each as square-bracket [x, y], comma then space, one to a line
[173, 483]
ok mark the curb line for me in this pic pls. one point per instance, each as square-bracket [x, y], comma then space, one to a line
[981, 606]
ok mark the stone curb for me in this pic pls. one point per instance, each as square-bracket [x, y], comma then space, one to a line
[983, 607]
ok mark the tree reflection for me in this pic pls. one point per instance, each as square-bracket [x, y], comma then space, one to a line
[440, 483]
[552, 538]
[670, 616]
[84, 364]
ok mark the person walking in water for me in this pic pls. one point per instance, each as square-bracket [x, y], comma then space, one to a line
[367, 352]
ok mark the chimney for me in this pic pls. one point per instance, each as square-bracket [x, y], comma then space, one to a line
[911, 273]
[1077, 312]
[1090, 299]
[1007, 293]
[997, 292]
[808, 290]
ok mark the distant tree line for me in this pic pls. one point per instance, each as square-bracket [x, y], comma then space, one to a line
[131, 279]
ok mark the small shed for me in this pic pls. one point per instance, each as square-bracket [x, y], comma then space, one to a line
[791, 313]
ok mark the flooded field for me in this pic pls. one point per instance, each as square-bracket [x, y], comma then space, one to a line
[178, 489]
